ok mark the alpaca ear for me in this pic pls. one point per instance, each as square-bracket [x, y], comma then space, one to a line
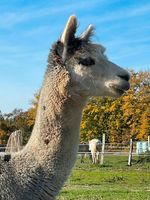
[68, 34]
[88, 33]
[69, 31]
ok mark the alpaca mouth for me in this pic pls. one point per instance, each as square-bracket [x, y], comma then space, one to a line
[120, 89]
[117, 90]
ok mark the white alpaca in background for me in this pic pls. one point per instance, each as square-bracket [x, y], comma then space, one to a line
[94, 147]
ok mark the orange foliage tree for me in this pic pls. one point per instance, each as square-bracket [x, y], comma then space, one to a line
[121, 119]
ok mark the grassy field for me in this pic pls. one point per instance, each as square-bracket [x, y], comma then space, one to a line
[112, 181]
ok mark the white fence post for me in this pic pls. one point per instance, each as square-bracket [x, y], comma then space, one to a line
[103, 149]
[149, 143]
[130, 153]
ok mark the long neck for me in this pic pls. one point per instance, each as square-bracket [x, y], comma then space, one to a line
[58, 119]
[52, 147]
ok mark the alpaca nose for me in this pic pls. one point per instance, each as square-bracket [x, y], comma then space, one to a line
[124, 76]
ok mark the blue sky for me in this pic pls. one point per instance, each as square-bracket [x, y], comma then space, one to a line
[28, 28]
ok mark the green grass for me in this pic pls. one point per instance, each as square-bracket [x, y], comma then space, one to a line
[112, 181]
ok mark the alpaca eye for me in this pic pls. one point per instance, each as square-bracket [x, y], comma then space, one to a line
[86, 61]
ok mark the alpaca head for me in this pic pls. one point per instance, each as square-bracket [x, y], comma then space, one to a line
[91, 73]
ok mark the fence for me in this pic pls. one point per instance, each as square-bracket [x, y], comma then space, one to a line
[131, 150]
[106, 149]
[112, 149]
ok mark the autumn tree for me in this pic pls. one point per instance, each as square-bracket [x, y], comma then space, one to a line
[136, 106]
[121, 119]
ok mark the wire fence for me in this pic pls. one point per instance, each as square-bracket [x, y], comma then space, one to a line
[116, 149]
[104, 151]
[110, 149]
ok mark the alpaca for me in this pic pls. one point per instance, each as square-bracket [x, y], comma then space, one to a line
[77, 69]
[94, 147]
[15, 142]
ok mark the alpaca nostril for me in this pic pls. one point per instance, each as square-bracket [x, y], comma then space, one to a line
[125, 76]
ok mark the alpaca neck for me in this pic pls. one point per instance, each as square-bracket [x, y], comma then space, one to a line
[51, 151]
[56, 130]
